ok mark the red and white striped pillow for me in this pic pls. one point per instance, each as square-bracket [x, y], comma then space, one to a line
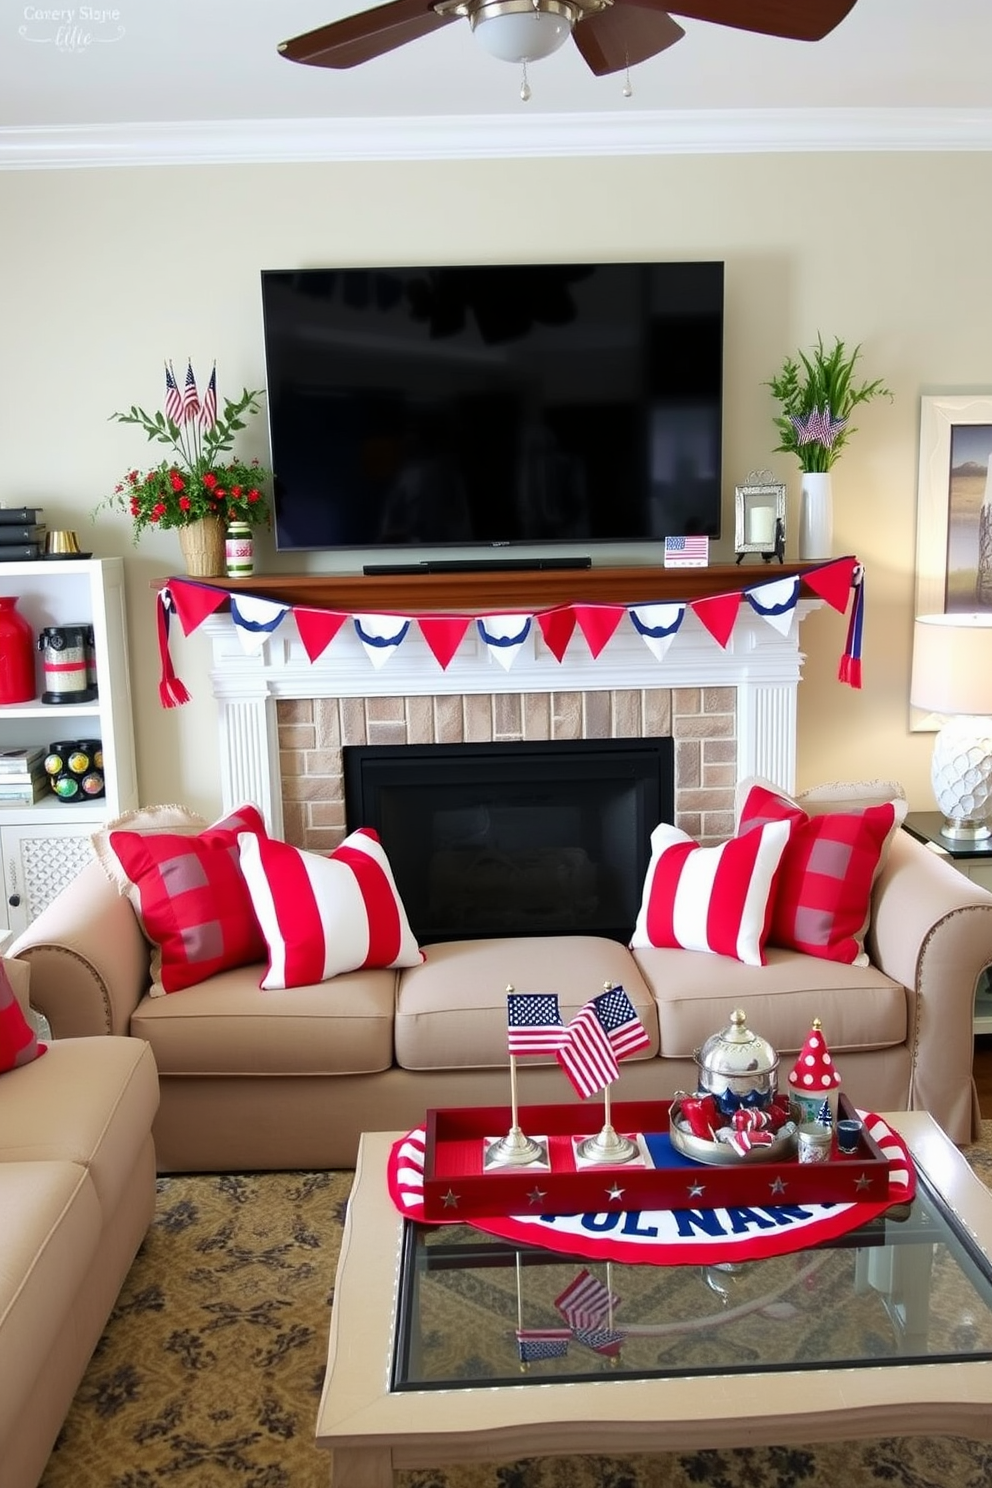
[711, 898]
[321, 916]
[18, 1041]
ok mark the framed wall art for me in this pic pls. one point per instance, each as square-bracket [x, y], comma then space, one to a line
[954, 510]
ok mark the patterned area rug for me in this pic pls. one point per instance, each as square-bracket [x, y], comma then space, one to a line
[210, 1369]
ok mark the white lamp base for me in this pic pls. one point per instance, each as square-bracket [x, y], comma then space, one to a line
[961, 775]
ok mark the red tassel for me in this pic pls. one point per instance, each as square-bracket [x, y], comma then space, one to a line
[172, 693]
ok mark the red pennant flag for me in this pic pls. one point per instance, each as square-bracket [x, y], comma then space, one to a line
[317, 628]
[717, 614]
[833, 581]
[597, 623]
[195, 603]
[443, 634]
[557, 627]
[171, 690]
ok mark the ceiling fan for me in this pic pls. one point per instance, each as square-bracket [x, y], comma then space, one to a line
[611, 35]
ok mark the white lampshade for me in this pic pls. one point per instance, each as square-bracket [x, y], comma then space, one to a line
[515, 31]
[952, 676]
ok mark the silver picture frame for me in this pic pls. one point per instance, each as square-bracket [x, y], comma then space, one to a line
[759, 517]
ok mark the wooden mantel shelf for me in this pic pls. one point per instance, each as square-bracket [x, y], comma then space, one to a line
[501, 589]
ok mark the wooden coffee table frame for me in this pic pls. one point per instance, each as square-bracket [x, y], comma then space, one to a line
[372, 1432]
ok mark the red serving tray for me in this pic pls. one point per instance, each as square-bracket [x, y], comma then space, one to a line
[457, 1186]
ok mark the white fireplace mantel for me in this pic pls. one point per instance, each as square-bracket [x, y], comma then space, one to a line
[759, 663]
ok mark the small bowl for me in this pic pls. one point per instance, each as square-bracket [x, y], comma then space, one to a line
[721, 1154]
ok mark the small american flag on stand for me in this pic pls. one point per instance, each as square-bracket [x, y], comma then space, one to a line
[534, 1024]
[687, 552]
[606, 1341]
[588, 1058]
[586, 1302]
[541, 1343]
[621, 1024]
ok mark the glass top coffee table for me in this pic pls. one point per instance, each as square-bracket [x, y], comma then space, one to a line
[447, 1346]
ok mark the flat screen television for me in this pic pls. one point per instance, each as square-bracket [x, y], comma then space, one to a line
[493, 405]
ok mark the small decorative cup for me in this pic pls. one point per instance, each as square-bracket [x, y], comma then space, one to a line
[815, 1143]
[848, 1136]
[61, 540]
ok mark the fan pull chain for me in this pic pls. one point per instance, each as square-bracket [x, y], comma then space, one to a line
[525, 86]
[628, 91]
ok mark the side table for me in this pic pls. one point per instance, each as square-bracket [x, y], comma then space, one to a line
[974, 860]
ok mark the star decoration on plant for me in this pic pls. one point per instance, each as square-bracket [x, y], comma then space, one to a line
[818, 427]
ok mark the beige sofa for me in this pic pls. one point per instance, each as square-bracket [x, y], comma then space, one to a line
[286, 1079]
[77, 1193]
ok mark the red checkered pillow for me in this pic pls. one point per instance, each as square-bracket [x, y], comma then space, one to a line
[18, 1040]
[823, 895]
[191, 898]
[324, 915]
[711, 898]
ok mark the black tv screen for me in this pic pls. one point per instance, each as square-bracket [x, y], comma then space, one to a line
[494, 404]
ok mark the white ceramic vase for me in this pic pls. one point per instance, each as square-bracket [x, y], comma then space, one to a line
[816, 516]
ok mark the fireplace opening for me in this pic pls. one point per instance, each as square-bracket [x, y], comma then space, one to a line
[541, 838]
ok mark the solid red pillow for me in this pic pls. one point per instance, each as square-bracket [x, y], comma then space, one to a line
[18, 1040]
[822, 902]
[710, 898]
[325, 915]
[191, 897]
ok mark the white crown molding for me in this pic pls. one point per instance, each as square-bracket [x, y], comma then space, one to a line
[671, 132]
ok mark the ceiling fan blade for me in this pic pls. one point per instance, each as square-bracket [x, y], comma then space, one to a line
[371, 33]
[624, 34]
[799, 20]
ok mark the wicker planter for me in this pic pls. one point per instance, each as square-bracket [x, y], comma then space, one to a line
[202, 543]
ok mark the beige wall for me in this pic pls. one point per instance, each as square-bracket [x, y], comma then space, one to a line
[105, 273]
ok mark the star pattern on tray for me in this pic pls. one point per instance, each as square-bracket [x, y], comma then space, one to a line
[536, 1195]
[863, 1182]
[778, 1186]
[451, 1200]
[614, 1193]
[696, 1190]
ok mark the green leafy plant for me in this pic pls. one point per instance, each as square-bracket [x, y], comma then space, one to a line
[818, 394]
[197, 481]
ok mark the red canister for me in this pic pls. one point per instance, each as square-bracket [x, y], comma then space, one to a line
[16, 654]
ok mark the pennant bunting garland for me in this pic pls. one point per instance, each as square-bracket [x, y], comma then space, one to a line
[717, 614]
[556, 628]
[775, 602]
[317, 628]
[255, 620]
[380, 635]
[658, 625]
[171, 692]
[850, 663]
[443, 634]
[598, 623]
[506, 635]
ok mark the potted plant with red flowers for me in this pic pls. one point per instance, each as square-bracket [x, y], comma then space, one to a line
[202, 486]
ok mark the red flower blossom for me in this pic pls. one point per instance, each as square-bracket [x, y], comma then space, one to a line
[184, 503]
[210, 480]
[176, 481]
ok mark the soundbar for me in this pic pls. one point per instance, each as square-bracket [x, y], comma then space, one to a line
[473, 565]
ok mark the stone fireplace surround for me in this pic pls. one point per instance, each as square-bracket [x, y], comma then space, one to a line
[284, 719]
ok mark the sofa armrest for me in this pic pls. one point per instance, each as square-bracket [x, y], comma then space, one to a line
[931, 930]
[88, 957]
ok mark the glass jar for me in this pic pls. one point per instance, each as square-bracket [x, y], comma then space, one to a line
[239, 551]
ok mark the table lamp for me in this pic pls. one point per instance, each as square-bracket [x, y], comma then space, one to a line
[952, 676]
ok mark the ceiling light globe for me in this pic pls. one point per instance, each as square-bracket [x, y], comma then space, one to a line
[516, 31]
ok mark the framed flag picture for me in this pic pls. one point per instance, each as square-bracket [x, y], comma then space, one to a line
[953, 511]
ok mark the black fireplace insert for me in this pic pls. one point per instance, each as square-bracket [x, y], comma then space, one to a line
[541, 838]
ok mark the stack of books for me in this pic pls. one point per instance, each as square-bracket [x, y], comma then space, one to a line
[22, 534]
[23, 780]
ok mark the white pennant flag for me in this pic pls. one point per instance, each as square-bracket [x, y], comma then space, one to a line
[776, 602]
[255, 620]
[657, 625]
[505, 635]
[381, 635]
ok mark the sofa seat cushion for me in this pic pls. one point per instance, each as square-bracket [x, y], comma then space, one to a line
[859, 1007]
[51, 1231]
[229, 1026]
[451, 1010]
[90, 1101]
